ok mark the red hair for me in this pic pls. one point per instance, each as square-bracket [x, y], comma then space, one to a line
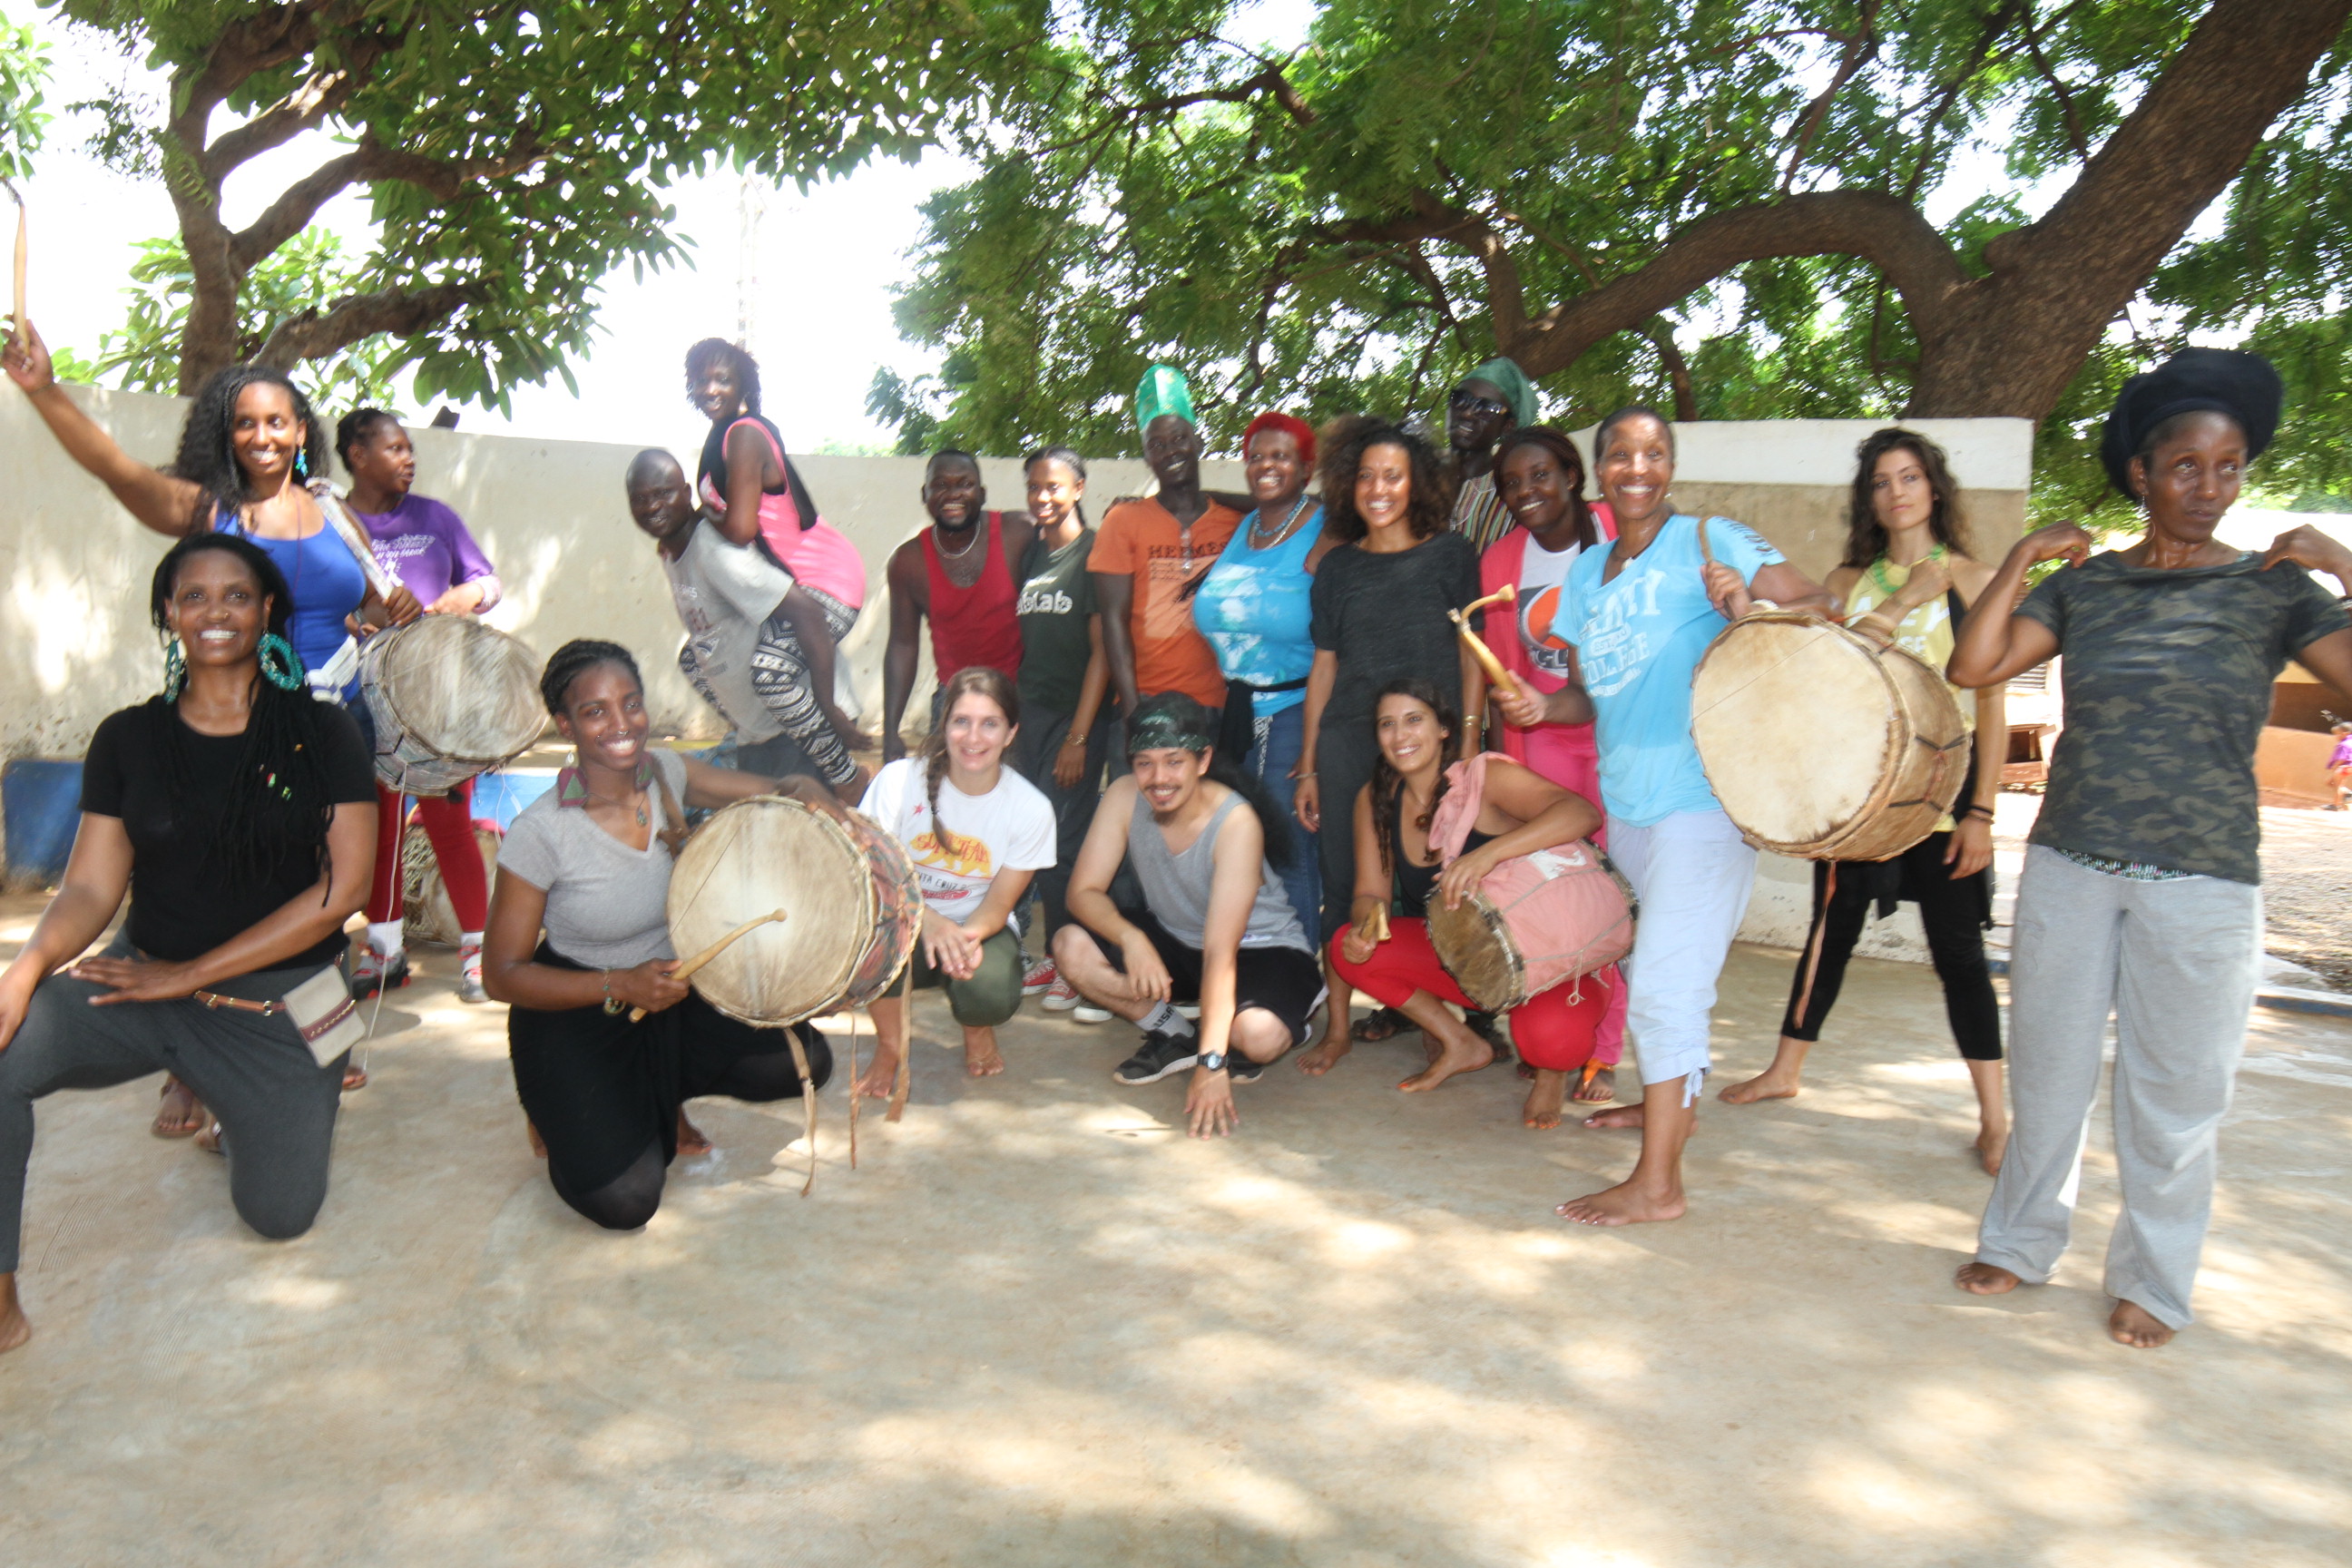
[1300, 431]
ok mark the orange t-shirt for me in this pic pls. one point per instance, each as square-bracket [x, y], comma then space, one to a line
[1142, 541]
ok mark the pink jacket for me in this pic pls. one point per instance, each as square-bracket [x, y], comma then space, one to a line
[1565, 753]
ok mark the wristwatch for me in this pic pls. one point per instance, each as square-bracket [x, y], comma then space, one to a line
[1211, 1061]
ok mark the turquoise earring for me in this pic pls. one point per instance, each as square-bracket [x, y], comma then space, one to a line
[279, 662]
[175, 671]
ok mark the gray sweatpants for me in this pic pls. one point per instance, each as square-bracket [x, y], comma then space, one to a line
[275, 1104]
[2175, 964]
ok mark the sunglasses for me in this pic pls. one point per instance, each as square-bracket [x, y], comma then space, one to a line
[1470, 402]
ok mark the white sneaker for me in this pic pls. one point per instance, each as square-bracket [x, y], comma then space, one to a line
[1087, 1013]
[1061, 996]
[1190, 1009]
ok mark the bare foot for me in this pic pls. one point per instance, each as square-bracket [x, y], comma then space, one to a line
[691, 1140]
[882, 1075]
[1992, 1143]
[1625, 1204]
[1327, 1053]
[1616, 1116]
[181, 1115]
[14, 1329]
[981, 1057]
[1772, 1083]
[1544, 1099]
[538, 1144]
[354, 1077]
[1985, 1280]
[209, 1140]
[1600, 1088]
[1467, 1055]
[2129, 1324]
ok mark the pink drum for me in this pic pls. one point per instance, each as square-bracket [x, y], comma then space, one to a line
[1535, 922]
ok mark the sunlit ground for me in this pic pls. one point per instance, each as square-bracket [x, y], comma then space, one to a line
[1040, 1326]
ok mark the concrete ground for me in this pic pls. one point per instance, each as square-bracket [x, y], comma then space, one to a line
[1040, 1326]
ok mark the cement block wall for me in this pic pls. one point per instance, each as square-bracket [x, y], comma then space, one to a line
[550, 514]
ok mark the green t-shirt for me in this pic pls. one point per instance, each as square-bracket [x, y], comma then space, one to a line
[2167, 685]
[1056, 597]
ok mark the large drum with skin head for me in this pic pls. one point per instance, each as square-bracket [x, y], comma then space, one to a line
[451, 698]
[1821, 744]
[852, 907]
[1534, 922]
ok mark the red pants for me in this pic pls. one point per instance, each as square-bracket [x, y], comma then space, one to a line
[449, 821]
[1553, 1030]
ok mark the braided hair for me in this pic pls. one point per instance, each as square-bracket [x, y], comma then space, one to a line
[280, 804]
[986, 682]
[1388, 785]
[208, 456]
[359, 427]
[575, 659]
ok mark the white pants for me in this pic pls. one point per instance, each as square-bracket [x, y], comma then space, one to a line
[2175, 964]
[1693, 873]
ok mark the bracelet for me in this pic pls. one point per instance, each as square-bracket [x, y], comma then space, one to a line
[612, 1004]
[1074, 740]
[1983, 811]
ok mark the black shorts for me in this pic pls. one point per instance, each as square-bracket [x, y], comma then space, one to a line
[1286, 982]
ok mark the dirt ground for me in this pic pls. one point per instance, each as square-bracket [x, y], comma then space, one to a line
[2307, 880]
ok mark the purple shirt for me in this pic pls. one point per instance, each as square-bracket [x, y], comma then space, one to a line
[426, 546]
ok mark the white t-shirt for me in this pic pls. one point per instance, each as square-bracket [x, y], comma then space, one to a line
[1542, 573]
[1010, 829]
[725, 593]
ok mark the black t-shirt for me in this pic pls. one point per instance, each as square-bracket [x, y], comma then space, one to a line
[2168, 677]
[185, 899]
[1384, 616]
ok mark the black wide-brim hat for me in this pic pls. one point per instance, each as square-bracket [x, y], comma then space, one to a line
[2244, 385]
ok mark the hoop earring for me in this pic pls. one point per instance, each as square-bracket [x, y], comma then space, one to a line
[279, 662]
[175, 671]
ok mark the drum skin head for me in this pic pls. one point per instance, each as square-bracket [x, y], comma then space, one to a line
[1820, 742]
[450, 698]
[852, 910]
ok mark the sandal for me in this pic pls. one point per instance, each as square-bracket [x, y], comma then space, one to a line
[184, 1128]
[1384, 1024]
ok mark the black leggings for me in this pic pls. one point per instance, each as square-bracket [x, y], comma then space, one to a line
[1953, 913]
[630, 1199]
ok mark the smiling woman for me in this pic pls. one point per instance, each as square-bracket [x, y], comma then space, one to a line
[239, 817]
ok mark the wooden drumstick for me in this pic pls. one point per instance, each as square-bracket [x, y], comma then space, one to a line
[808, 1100]
[1482, 653]
[1508, 593]
[24, 324]
[686, 971]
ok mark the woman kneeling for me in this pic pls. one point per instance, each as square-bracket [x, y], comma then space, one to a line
[240, 816]
[589, 862]
[975, 844]
[1519, 812]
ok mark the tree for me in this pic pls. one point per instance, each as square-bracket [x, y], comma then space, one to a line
[1425, 184]
[24, 67]
[514, 152]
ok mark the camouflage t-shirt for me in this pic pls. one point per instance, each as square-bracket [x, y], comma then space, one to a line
[2167, 685]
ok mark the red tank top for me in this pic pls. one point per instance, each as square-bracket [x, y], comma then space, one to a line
[976, 624]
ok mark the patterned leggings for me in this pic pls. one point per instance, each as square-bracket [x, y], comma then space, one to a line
[780, 673]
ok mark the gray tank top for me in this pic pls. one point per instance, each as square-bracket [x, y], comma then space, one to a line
[1177, 886]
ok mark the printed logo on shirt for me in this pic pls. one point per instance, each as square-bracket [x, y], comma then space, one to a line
[1614, 652]
[961, 856]
[1547, 650]
[1040, 597]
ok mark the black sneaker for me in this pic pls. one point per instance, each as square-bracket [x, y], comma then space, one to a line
[1241, 1069]
[1161, 1055]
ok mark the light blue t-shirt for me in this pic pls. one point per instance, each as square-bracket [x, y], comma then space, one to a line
[1638, 638]
[1254, 607]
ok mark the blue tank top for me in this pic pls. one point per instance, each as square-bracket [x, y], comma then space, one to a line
[327, 585]
[1254, 608]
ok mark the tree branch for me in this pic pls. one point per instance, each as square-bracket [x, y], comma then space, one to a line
[446, 180]
[1661, 333]
[314, 334]
[1858, 49]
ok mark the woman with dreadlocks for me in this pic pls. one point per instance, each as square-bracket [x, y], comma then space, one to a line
[239, 815]
[247, 453]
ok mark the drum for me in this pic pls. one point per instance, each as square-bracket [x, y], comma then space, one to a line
[450, 698]
[428, 916]
[852, 910]
[1822, 745]
[1535, 922]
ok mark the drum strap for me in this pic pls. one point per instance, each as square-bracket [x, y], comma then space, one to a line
[673, 829]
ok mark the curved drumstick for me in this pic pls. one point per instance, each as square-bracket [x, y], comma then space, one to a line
[24, 324]
[686, 971]
[1481, 652]
[1508, 593]
[808, 1090]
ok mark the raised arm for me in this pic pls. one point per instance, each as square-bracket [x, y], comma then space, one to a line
[165, 504]
[1995, 645]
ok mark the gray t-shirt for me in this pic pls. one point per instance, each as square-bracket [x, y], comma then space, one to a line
[724, 593]
[2168, 687]
[607, 904]
[1176, 887]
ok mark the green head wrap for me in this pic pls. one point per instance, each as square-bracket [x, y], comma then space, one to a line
[1516, 388]
[1170, 719]
[1162, 391]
